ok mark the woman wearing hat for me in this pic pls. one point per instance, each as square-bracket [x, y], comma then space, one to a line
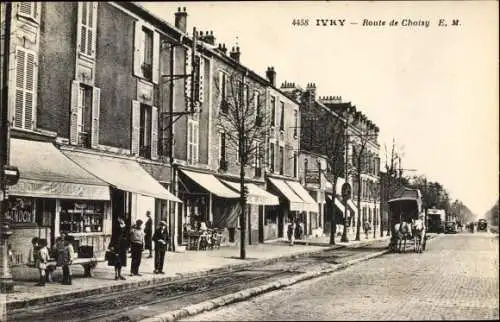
[161, 239]
[118, 248]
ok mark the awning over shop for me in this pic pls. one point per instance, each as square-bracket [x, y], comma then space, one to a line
[309, 203]
[124, 174]
[296, 203]
[211, 183]
[45, 172]
[256, 195]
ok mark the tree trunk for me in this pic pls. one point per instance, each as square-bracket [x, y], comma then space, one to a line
[243, 204]
[358, 224]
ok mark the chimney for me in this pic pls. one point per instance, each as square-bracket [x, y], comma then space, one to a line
[235, 53]
[311, 93]
[330, 99]
[271, 76]
[181, 19]
[222, 48]
[209, 38]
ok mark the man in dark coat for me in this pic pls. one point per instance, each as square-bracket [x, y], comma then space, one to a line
[161, 239]
[148, 233]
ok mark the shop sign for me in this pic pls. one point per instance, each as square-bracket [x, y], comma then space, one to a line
[22, 211]
[312, 176]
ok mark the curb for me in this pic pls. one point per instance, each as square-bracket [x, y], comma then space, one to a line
[254, 291]
[14, 305]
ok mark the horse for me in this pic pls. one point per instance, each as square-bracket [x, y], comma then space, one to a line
[418, 232]
[403, 232]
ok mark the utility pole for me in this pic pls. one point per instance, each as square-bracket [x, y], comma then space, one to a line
[6, 282]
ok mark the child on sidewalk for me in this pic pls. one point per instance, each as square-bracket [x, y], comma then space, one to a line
[41, 259]
[69, 254]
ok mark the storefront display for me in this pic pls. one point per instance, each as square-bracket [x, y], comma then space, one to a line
[81, 216]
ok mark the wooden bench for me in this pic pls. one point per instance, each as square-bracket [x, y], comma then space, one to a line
[88, 265]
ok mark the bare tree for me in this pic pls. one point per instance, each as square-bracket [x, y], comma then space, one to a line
[361, 137]
[244, 120]
[326, 135]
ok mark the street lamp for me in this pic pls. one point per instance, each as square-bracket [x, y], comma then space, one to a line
[375, 191]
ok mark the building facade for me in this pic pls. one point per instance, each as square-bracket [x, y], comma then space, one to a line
[83, 105]
[362, 162]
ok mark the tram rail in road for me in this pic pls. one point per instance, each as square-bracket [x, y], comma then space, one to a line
[134, 305]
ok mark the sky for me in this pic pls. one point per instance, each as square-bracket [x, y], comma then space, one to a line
[432, 88]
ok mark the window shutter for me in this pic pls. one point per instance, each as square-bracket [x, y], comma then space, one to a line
[201, 79]
[96, 97]
[156, 57]
[154, 133]
[188, 69]
[20, 74]
[136, 127]
[73, 129]
[30, 94]
[93, 31]
[138, 49]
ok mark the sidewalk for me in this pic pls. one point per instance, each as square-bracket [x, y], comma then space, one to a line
[177, 266]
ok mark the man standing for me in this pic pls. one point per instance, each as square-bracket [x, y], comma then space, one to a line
[136, 247]
[161, 239]
[148, 232]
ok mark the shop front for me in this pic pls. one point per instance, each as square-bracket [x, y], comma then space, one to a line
[206, 202]
[257, 201]
[134, 191]
[55, 196]
[292, 206]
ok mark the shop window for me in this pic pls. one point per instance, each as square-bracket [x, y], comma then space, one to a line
[271, 215]
[81, 216]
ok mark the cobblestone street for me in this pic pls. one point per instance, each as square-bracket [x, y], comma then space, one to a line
[455, 278]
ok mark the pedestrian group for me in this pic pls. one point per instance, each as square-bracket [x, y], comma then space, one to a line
[135, 240]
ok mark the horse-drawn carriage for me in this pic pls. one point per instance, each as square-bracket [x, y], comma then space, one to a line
[407, 220]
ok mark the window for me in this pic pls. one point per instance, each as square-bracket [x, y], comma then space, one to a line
[193, 141]
[273, 111]
[145, 132]
[296, 120]
[282, 159]
[147, 64]
[146, 52]
[222, 151]
[271, 156]
[144, 141]
[87, 25]
[258, 116]
[28, 10]
[223, 92]
[25, 97]
[84, 121]
[85, 115]
[295, 163]
[282, 116]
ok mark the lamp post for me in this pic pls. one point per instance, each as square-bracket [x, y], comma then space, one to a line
[346, 188]
[375, 194]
